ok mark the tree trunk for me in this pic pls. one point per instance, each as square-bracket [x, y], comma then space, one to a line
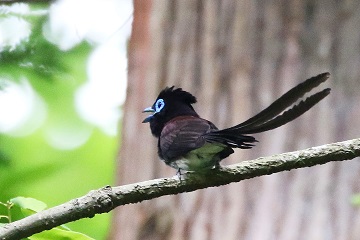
[237, 57]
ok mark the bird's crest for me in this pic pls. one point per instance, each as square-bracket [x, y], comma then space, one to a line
[177, 94]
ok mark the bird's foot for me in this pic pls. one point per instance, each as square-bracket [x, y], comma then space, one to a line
[180, 174]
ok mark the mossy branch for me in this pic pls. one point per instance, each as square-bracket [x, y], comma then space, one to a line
[107, 198]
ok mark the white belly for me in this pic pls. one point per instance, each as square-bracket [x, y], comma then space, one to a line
[203, 158]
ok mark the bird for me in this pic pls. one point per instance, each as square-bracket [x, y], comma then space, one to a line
[189, 143]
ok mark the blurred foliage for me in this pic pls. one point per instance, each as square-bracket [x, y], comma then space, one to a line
[30, 166]
[355, 200]
[28, 206]
[34, 57]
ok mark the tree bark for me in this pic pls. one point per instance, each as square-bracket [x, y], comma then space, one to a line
[237, 57]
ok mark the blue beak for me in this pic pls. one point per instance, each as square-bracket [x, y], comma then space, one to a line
[151, 110]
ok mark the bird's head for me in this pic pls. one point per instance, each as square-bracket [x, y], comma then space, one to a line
[171, 102]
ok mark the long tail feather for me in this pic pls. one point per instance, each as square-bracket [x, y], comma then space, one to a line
[288, 115]
[284, 101]
[269, 118]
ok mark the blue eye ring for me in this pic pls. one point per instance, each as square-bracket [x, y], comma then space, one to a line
[160, 104]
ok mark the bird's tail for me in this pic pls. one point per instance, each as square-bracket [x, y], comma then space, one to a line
[273, 116]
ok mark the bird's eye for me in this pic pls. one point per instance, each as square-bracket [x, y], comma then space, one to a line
[159, 105]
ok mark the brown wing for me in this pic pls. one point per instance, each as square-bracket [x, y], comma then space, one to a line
[181, 135]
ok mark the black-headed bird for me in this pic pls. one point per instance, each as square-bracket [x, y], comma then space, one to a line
[190, 143]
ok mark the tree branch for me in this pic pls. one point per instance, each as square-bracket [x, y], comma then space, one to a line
[107, 198]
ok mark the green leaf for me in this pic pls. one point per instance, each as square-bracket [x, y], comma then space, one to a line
[26, 203]
[60, 234]
[4, 216]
